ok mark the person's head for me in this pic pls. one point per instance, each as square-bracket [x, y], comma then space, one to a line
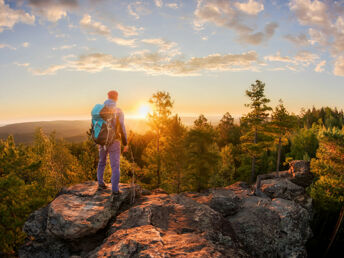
[112, 94]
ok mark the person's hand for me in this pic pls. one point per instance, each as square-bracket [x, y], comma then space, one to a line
[126, 148]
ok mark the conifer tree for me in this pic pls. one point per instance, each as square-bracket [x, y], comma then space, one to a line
[328, 189]
[203, 154]
[162, 105]
[175, 154]
[228, 132]
[282, 124]
[255, 138]
[230, 159]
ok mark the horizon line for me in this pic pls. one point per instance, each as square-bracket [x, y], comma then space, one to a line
[85, 118]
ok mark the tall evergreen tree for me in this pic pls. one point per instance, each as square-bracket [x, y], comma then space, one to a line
[203, 154]
[228, 132]
[255, 139]
[328, 189]
[175, 154]
[230, 157]
[282, 124]
[162, 105]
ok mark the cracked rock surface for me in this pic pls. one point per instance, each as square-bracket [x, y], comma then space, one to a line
[221, 222]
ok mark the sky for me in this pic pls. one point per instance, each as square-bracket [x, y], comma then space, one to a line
[58, 58]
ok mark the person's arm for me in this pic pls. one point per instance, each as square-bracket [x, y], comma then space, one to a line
[122, 128]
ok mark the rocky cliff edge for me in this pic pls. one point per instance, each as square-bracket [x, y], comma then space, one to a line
[233, 221]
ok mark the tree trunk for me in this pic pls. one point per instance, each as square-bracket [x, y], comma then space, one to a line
[335, 231]
[278, 155]
[178, 181]
[253, 166]
[158, 161]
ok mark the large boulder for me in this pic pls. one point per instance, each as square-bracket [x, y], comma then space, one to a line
[222, 200]
[82, 210]
[170, 225]
[281, 188]
[75, 222]
[300, 170]
[272, 228]
[41, 244]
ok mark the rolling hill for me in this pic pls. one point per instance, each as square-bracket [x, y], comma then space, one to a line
[75, 131]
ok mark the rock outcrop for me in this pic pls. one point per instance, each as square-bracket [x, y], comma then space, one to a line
[222, 222]
[74, 221]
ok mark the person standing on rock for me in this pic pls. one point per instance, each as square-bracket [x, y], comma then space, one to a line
[114, 149]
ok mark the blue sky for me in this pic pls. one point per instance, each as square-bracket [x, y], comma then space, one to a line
[60, 57]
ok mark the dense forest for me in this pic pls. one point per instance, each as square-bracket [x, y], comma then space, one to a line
[177, 158]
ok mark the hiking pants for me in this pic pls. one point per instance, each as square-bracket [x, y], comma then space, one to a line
[114, 151]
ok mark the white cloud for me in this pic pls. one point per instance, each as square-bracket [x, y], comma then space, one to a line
[9, 17]
[326, 25]
[278, 58]
[310, 12]
[22, 64]
[161, 43]
[172, 5]
[64, 47]
[339, 66]
[51, 70]
[259, 37]
[168, 48]
[7, 46]
[320, 66]
[52, 10]
[158, 3]
[25, 44]
[138, 8]
[251, 7]
[317, 37]
[129, 30]
[303, 58]
[299, 40]
[123, 42]
[221, 13]
[340, 24]
[157, 63]
[132, 12]
[93, 27]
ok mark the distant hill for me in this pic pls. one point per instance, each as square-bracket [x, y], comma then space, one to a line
[75, 131]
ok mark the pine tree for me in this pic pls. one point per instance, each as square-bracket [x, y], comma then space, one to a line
[230, 159]
[255, 138]
[328, 189]
[228, 132]
[162, 105]
[175, 154]
[203, 154]
[282, 124]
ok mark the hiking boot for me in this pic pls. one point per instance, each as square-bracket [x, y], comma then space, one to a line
[118, 193]
[102, 187]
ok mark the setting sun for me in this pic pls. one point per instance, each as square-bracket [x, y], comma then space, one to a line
[144, 109]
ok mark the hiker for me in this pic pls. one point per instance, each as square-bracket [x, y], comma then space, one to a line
[114, 147]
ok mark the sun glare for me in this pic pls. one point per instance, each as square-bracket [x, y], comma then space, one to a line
[144, 110]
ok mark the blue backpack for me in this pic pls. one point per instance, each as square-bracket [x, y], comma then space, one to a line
[102, 130]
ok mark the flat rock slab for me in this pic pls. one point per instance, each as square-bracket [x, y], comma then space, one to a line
[170, 226]
[82, 209]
